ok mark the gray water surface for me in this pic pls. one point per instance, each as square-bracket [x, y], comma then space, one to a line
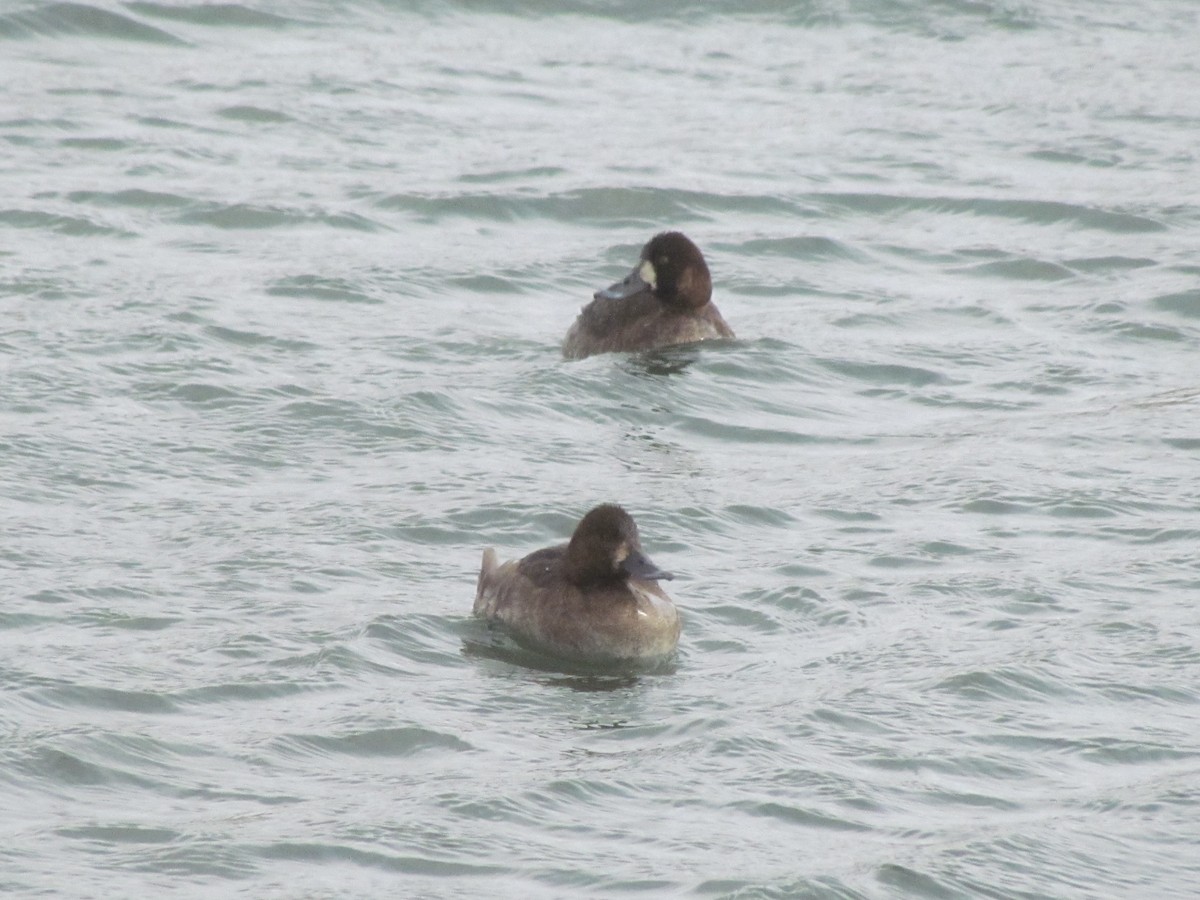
[281, 291]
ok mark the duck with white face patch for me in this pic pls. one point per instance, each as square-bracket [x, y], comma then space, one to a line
[665, 300]
[595, 599]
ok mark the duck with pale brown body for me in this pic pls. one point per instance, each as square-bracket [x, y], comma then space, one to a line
[595, 599]
[665, 300]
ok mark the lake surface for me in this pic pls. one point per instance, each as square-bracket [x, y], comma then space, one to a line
[281, 293]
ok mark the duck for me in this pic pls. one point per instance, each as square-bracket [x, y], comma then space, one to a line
[595, 599]
[666, 299]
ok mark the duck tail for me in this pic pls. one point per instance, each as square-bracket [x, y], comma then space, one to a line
[487, 572]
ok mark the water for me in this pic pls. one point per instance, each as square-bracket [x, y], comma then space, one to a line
[281, 288]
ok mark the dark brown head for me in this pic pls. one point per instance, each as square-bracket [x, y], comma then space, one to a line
[605, 548]
[672, 268]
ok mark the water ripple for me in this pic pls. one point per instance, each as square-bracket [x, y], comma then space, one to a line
[80, 19]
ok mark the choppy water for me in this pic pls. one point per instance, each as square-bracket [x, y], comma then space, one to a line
[281, 290]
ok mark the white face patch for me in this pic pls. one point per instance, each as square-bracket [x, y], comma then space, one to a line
[647, 273]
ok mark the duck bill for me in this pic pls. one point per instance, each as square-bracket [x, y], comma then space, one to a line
[631, 284]
[638, 565]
